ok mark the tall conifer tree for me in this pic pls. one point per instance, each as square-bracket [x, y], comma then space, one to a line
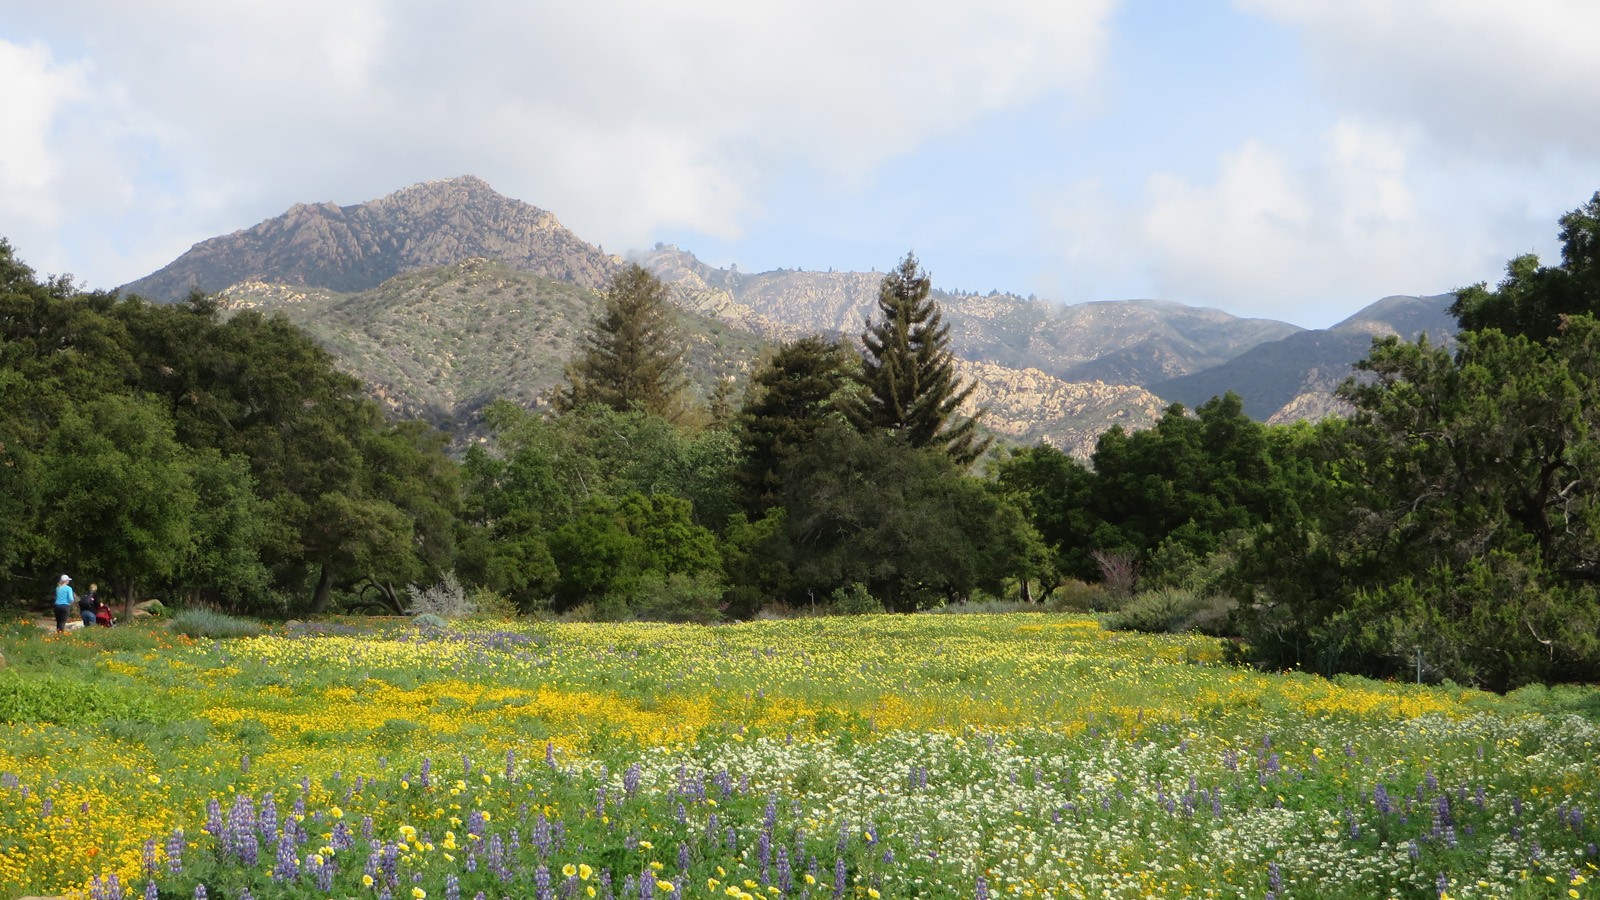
[632, 359]
[908, 373]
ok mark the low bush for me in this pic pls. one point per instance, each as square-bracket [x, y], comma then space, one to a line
[670, 598]
[1080, 596]
[208, 623]
[855, 600]
[447, 599]
[1170, 611]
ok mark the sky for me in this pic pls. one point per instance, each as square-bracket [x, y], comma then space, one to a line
[1294, 159]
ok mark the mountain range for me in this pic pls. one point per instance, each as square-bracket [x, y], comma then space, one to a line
[446, 294]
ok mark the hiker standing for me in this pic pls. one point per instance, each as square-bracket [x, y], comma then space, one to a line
[64, 601]
[89, 605]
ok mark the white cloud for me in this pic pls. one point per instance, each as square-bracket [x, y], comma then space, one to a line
[36, 90]
[625, 117]
[1512, 79]
[1306, 242]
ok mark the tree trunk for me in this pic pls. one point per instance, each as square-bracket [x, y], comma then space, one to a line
[319, 600]
[1027, 595]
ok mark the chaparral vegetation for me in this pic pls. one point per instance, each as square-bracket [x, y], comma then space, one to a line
[962, 756]
[608, 669]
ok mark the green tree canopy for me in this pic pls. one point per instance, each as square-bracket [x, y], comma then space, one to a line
[1532, 299]
[794, 393]
[632, 358]
[908, 371]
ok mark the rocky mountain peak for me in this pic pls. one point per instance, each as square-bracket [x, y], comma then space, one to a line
[358, 247]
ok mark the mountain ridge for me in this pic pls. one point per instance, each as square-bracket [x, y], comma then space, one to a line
[1080, 357]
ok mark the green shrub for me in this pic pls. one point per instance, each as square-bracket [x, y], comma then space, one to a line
[1170, 611]
[491, 605]
[66, 701]
[669, 598]
[1080, 596]
[854, 600]
[429, 620]
[207, 623]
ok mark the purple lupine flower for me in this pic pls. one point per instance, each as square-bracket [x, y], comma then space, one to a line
[1412, 850]
[452, 888]
[541, 835]
[114, 887]
[647, 886]
[1443, 884]
[150, 890]
[980, 891]
[550, 754]
[764, 855]
[1274, 878]
[323, 873]
[511, 765]
[341, 838]
[213, 817]
[47, 807]
[713, 828]
[288, 865]
[785, 876]
[248, 851]
[149, 857]
[684, 859]
[838, 878]
[97, 889]
[475, 823]
[630, 779]
[1380, 796]
[733, 840]
[244, 894]
[199, 892]
[267, 821]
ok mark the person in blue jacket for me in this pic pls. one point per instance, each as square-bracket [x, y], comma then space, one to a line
[64, 601]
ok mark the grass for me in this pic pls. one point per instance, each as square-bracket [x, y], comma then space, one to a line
[1027, 755]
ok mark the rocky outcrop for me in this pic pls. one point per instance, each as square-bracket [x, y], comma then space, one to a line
[355, 248]
[1027, 406]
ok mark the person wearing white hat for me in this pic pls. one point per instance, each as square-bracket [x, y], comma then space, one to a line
[64, 600]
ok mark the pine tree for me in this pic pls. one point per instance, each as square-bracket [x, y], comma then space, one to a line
[908, 373]
[632, 359]
[793, 395]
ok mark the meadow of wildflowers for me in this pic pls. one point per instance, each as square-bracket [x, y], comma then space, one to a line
[878, 756]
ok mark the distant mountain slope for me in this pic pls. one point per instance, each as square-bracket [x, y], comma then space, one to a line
[1137, 342]
[1026, 406]
[441, 343]
[354, 248]
[399, 288]
[1295, 377]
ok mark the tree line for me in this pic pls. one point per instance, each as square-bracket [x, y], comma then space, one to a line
[1448, 519]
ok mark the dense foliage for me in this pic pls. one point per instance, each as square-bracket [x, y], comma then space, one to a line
[1445, 529]
[167, 448]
